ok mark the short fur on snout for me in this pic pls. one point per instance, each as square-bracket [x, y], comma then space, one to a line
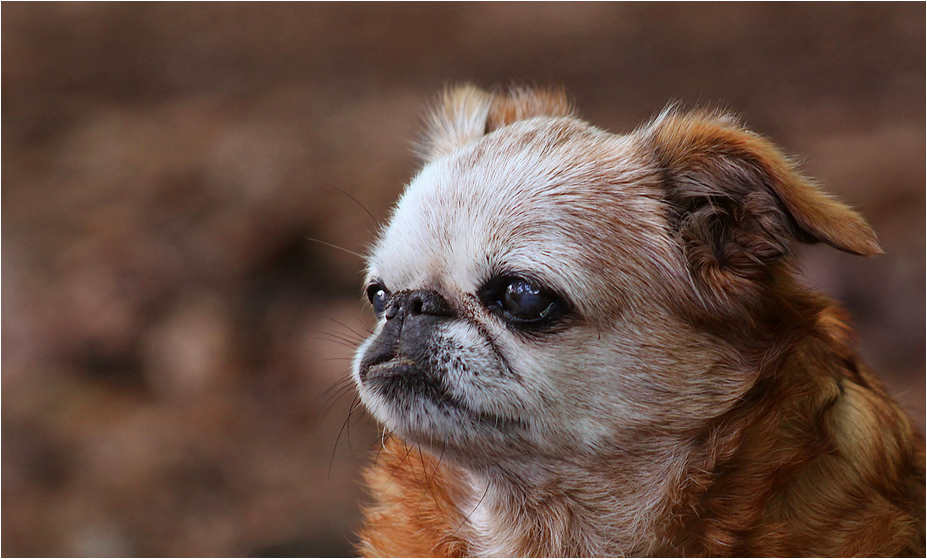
[592, 344]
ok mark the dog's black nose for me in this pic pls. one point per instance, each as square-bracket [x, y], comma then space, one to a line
[418, 302]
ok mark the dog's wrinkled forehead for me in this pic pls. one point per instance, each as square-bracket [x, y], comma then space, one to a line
[533, 197]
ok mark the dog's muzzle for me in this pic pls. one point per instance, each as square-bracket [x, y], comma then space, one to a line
[405, 345]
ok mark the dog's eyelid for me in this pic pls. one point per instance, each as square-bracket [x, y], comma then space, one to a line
[373, 282]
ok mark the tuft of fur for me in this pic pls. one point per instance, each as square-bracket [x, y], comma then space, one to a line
[700, 402]
[465, 113]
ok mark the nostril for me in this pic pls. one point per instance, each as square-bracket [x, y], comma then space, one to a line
[426, 302]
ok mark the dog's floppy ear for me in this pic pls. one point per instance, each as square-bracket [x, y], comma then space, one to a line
[464, 113]
[738, 202]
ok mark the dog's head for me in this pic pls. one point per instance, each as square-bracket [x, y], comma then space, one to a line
[545, 289]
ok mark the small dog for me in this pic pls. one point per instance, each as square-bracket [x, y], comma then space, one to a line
[594, 345]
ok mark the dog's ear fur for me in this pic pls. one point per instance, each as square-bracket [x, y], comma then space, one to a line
[737, 201]
[464, 113]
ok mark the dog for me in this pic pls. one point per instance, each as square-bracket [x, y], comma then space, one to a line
[591, 344]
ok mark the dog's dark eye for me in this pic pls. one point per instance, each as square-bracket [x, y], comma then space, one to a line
[522, 302]
[378, 297]
[526, 301]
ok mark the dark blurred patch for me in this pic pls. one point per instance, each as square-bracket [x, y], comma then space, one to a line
[37, 459]
[100, 364]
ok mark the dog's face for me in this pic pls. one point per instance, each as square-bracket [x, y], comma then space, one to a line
[539, 284]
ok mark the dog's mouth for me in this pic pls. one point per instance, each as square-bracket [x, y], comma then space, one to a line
[401, 380]
[409, 388]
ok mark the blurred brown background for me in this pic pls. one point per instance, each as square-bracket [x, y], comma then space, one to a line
[170, 331]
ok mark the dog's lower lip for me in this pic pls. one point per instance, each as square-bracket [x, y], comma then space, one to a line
[384, 366]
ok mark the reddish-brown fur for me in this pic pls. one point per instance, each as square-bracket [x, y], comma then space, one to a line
[414, 515]
[815, 459]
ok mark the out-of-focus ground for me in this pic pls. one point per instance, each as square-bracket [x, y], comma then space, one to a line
[170, 331]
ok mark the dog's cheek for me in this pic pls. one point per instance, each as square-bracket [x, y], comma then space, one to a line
[501, 375]
[476, 372]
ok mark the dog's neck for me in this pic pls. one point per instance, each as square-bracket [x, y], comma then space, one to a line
[574, 510]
